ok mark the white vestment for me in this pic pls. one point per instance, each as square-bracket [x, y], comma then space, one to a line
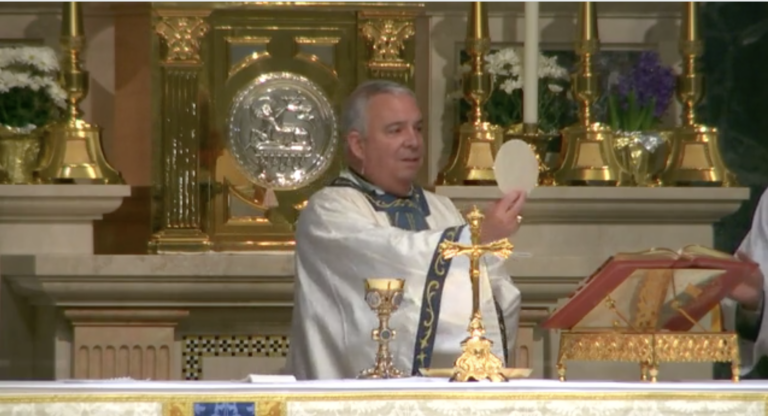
[755, 246]
[341, 240]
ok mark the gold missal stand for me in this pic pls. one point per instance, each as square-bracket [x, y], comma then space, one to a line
[649, 308]
[477, 362]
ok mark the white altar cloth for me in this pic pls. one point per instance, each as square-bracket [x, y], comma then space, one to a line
[418, 396]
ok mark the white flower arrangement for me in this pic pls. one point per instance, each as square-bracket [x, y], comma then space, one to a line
[30, 95]
[505, 105]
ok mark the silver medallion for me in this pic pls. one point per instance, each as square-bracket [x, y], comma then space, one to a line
[282, 131]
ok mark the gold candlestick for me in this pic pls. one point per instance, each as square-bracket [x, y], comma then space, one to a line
[477, 141]
[694, 155]
[477, 362]
[587, 148]
[73, 153]
[383, 296]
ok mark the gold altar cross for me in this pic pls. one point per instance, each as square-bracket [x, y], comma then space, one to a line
[477, 362]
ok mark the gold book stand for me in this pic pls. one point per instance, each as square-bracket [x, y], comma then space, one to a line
[651, 307]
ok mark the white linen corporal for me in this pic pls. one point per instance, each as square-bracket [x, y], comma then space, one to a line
[341, 240]
[755, 246]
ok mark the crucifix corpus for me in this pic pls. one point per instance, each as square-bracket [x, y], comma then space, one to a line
[477, 362]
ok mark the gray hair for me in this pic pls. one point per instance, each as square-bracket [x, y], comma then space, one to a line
[353, 114]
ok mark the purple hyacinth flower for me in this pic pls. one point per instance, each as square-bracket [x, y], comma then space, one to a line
[649, 79]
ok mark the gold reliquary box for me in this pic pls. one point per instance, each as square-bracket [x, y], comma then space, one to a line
[651, 307]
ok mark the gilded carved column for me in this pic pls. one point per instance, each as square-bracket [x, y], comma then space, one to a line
[181, 35]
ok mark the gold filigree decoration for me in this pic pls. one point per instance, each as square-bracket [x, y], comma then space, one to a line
[653, 291]
[182, 35]
[387, 38]
[649, 349]
[271, 408]
[177, 409]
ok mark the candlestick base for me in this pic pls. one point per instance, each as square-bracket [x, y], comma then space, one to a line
[589, 158]
[702, 167]
[539, 143]
[474, 151]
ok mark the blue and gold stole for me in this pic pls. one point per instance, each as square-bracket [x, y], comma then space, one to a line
[410, 213]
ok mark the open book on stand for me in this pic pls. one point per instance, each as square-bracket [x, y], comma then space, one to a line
[656, 298]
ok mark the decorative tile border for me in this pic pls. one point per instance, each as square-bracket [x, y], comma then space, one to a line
[196, 347]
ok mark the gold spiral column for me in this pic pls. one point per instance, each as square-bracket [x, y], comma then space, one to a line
[180, 128]
[587, 154]
[477, 141]
[73, 152]
[694, 156]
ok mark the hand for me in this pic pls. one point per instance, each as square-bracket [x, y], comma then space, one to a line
[502, 217]
[749, 292]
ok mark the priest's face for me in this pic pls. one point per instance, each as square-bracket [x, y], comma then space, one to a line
[392, 149]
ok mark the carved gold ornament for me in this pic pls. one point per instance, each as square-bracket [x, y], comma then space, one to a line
[387, 37]
[182, 35]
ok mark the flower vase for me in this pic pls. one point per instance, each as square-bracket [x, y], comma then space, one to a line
[19, 155]
[641, 156]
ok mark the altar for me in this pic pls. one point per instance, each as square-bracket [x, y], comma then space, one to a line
[413, 396]
[207, 296]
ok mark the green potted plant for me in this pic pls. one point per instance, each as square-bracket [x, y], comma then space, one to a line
[30, 99]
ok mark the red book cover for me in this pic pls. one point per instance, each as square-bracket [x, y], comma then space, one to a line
[697, 279]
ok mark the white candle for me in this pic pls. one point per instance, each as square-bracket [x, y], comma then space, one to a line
[531, 64]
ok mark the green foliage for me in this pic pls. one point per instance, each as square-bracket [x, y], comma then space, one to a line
[22, 106]
[636, 117]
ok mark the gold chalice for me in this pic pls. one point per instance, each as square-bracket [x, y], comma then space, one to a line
[641, 157]
[384, 297]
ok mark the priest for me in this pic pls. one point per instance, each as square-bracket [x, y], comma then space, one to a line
[374, 222]
[745, 310]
